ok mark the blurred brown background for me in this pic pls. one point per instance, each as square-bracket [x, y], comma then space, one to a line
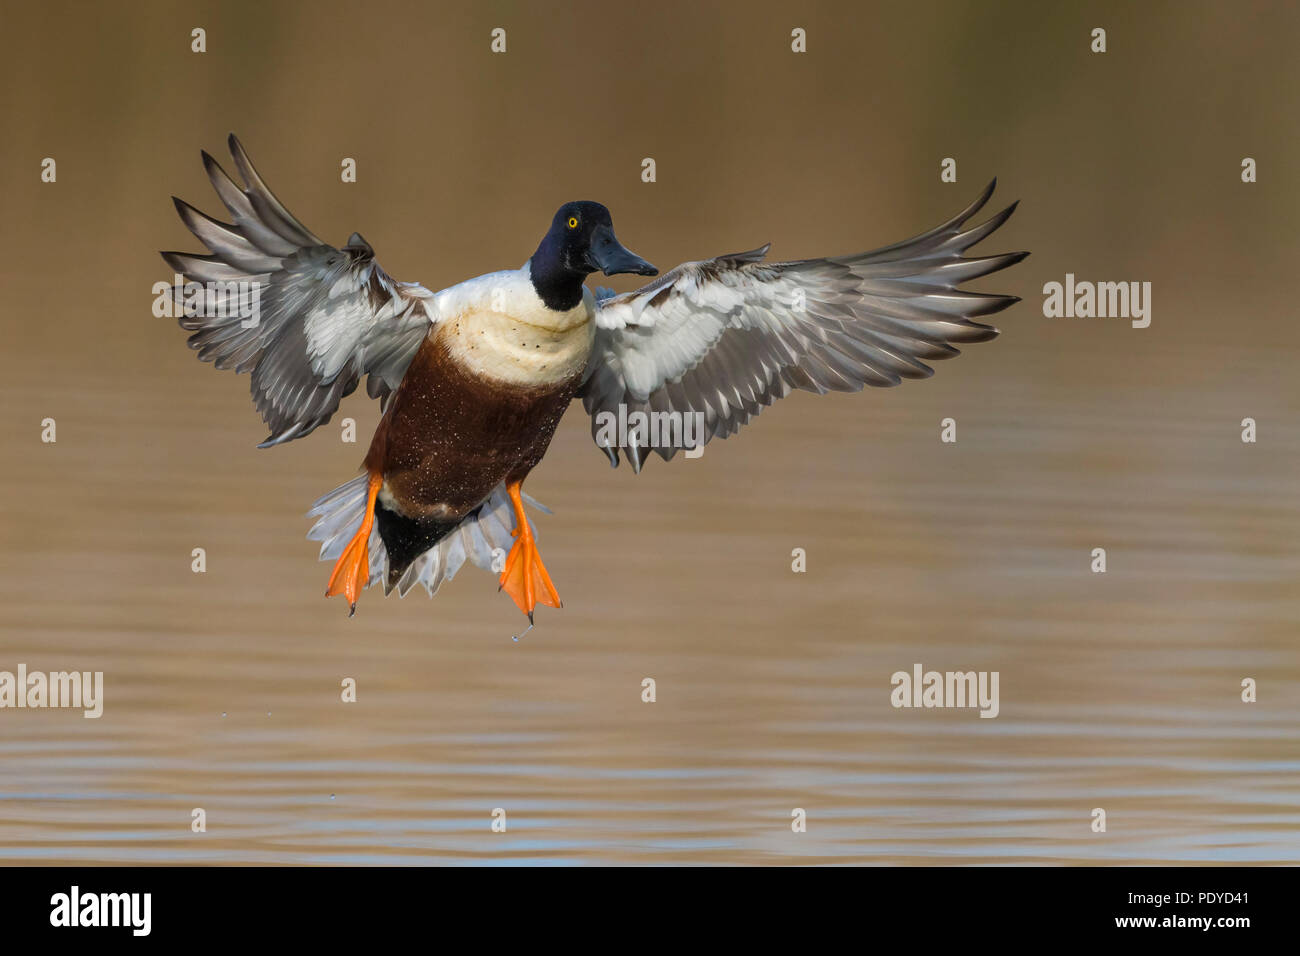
[1118, 691]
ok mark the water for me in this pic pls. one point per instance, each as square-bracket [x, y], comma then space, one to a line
[223, 689]
[1119, 690]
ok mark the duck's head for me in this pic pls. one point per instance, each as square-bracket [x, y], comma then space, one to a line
[580, 241]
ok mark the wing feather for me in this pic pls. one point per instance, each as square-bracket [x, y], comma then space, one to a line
[726, 337]
[325, 316]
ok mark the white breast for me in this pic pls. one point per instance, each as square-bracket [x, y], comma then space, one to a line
[498, 328]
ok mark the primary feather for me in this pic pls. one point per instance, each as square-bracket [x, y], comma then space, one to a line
[728, 336]
[327, 315]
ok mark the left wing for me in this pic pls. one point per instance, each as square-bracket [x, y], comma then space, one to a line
[728, 336]
[306, 318]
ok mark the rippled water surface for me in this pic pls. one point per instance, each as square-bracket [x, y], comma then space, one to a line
[1118, 690]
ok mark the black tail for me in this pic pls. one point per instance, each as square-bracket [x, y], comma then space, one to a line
[405, 539]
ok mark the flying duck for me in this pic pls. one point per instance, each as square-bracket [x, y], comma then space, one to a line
[473, 380]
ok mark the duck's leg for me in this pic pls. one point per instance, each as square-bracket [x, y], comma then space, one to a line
[525, 578]
[352, 569]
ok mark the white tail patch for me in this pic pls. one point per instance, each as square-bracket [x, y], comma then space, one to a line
[474, 539]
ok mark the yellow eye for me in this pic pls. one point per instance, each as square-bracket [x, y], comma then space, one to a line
[573, 222]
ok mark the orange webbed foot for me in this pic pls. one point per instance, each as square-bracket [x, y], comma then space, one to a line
[525, 577]
[352, 570]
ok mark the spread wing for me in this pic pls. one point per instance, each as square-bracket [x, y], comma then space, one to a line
[727, 337]
[307, 319]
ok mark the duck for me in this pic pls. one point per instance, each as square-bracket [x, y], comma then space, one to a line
[473, 380]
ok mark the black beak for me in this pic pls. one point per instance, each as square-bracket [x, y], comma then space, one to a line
[607, 254]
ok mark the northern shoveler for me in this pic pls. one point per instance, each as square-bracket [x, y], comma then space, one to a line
[473, 380]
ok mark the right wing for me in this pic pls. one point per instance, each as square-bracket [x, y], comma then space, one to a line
[724, 338]
[306, 318]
